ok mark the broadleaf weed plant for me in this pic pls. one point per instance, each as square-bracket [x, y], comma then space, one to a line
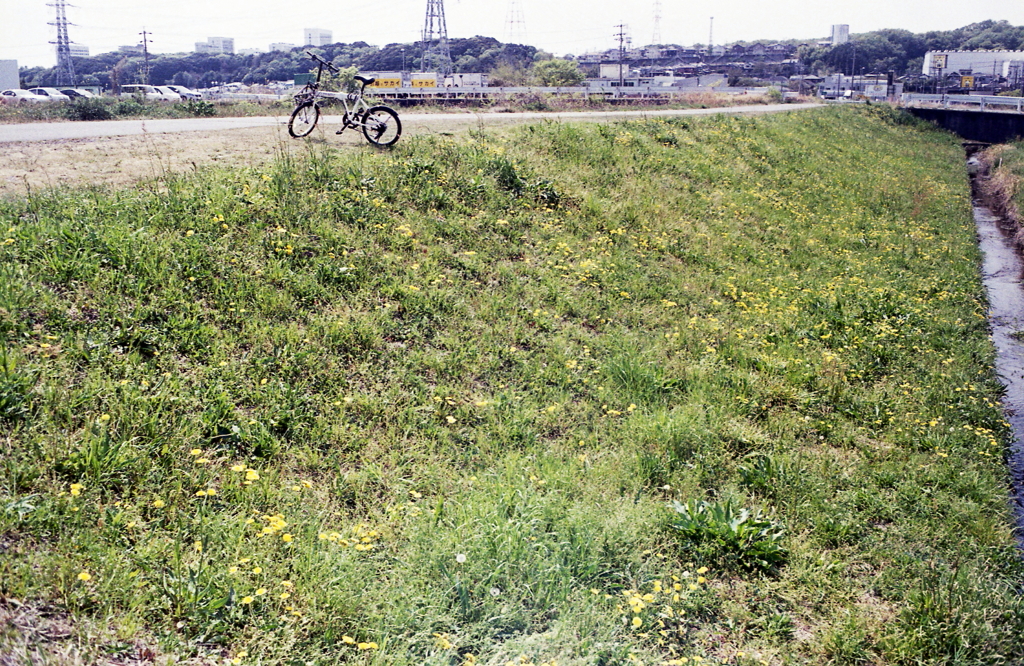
[730, 535]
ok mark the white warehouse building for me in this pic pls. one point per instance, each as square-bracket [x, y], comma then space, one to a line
[996, 63]
[317, 37]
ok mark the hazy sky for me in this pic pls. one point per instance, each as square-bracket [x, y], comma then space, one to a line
[562, 26]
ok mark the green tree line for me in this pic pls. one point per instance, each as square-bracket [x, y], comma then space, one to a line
[902, 51]
[196, 70]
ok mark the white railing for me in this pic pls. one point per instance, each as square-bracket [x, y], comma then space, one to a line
[611, 92]
[982, 102]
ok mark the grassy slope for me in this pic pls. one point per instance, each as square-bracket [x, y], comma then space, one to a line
[496, 361]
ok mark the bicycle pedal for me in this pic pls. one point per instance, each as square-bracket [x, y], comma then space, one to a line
[343, 128]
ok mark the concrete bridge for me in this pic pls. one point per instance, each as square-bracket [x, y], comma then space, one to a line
[981, 118]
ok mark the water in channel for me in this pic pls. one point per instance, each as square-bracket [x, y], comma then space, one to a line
[1002, 272]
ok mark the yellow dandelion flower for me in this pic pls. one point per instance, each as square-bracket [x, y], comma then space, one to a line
[159, 504]
[85, 576]
[76, 489]
[248, 600]
[637, 622]
[287, 538]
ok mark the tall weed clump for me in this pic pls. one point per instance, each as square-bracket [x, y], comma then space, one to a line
[433, 405]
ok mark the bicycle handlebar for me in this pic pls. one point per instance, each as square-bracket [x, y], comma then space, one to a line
[320, 60]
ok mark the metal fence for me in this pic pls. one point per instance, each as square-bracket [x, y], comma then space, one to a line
[981, 102]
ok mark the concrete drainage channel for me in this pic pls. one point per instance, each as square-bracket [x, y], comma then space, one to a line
[1002, 273]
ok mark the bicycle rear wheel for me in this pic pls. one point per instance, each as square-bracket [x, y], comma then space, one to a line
[303, 119]
[381, 126]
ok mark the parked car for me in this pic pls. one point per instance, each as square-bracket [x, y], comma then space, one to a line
[169, 94]
[77, 94]
[19, 96]
[150, 93]
[52, 94]
[186, 93]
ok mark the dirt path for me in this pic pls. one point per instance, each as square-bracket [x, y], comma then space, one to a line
[127, 157]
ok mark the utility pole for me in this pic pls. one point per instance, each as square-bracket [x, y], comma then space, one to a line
[435, 39]
[711, 35]
[622, 52]
[145, 54]
[853, 72]
[65, 68]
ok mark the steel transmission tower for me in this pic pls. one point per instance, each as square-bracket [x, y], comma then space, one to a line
[515, 24]
[656, 37]
[436, 54]
[65, 68]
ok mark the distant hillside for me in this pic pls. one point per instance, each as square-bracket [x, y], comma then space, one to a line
[880, 51]
[903, 51]
[474, 54]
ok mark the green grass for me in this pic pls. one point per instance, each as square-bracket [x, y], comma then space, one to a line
[109, 108]
[446, 397]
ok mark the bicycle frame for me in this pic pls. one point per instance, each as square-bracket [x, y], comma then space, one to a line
[313, 93]
[352, 113]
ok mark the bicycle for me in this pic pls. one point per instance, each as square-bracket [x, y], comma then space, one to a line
[380, 124]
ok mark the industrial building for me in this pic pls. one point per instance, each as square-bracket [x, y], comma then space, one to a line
[840, 34]
[9, 74]
[215, 45]
[938, 64]
[317, 37]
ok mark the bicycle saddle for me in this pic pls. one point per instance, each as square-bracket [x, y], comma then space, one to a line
[364, 80]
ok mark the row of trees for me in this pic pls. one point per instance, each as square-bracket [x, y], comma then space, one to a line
[475, 54]
[900, 51]
[903, 52]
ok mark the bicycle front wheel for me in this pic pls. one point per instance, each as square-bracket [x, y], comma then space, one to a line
[381, 126]
[303, 119]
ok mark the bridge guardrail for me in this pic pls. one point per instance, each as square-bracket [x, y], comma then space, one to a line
[983, 102]
[610, 92]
